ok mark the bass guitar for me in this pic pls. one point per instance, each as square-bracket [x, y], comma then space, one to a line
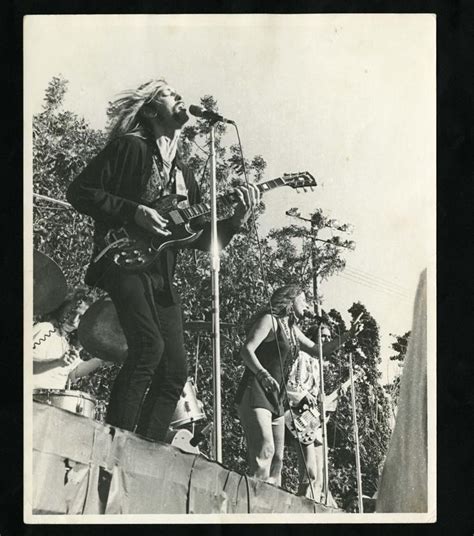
[134, 249]
[304, 422]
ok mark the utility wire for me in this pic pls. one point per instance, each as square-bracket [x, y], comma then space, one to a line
[376, 283]
[373, 276]
[364, 283]
[373, 285]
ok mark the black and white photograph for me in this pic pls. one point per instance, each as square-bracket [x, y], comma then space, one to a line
[230, 268]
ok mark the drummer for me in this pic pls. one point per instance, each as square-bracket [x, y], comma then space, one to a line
[56, 362]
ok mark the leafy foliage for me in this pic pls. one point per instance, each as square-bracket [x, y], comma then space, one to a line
[322, 254]
[400, 346]
[251, 268]
[63, 143]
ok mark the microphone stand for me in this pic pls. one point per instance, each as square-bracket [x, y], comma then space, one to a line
[215, 334]
[321, 368]
[322, 394]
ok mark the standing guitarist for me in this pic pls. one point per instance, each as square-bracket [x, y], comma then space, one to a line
[140, 164]
[303, 391]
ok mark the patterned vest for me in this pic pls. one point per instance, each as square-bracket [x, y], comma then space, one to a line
[159, 184]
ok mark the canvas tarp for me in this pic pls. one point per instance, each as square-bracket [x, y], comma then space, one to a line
[81, 466]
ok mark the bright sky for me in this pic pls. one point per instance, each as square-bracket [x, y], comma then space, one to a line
[350, 98]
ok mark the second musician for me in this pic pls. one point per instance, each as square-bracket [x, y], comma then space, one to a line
[271, 346]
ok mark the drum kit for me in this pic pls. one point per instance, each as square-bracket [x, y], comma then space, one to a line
[100, 333]
[75, 401]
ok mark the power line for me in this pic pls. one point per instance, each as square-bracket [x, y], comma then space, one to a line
[379, 289]
[375, 282]
[373, 276]
[376, 285]
[369, 279]
[371, 284]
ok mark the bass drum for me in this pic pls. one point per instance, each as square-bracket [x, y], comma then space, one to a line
[73, 401]
[189, 409]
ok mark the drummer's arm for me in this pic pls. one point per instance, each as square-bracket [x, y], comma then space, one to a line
[44, 366]
[85, 368]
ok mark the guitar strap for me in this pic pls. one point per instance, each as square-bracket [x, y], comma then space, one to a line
[181, 188]
[294, 347]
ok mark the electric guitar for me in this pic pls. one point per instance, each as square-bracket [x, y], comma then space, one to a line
[304, 422]
[134, 249]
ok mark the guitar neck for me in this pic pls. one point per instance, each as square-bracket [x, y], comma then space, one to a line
[228, 200]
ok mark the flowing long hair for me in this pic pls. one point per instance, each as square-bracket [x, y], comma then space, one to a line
[76, 298]
[281, 304]
[123, 112]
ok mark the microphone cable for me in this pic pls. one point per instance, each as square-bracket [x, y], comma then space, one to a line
[44, 337]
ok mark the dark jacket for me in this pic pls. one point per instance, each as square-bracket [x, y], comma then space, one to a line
[109, 190]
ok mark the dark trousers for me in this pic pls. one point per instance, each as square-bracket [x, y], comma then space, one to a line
[148, 387]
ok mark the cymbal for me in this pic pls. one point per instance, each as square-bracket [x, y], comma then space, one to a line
[49, 284]
[204, 325]
[100, 332]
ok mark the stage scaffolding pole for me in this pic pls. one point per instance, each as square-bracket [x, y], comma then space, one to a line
[356, 438]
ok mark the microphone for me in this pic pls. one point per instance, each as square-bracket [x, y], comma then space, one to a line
[197, 111]
[312, 316]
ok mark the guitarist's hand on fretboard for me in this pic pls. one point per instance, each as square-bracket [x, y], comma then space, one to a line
[310, 400]
[248, 199]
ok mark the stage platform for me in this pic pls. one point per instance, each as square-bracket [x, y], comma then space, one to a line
[81, 466]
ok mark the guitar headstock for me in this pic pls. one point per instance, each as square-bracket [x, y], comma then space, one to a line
[302, 179]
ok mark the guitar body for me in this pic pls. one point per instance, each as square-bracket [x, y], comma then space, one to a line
[134, 249]
[304, 425]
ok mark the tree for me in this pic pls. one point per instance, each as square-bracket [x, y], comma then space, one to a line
[62, 145]
[400, 346]
[323, 255]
